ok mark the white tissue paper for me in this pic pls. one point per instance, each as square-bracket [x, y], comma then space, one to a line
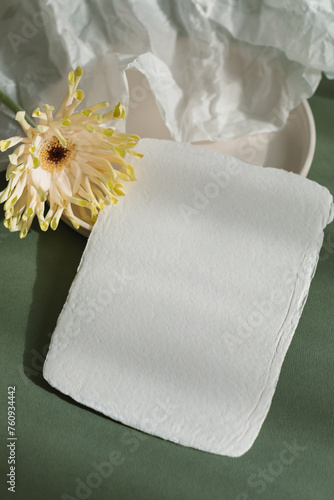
[188, 295]
[217, 68]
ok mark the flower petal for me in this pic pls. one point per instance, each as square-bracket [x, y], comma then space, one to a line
[9, 143]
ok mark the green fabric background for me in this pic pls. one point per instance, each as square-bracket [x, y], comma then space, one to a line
[59, 440]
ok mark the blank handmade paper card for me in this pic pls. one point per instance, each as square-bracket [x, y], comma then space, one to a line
[188, 295]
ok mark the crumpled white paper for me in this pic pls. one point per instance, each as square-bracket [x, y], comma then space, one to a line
[218, 68]
[188, 295]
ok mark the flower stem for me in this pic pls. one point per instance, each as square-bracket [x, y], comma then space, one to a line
[7, 101]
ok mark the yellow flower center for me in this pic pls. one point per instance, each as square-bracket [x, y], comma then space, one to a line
[54, 157]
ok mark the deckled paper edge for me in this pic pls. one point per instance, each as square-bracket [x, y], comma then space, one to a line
[299, 297]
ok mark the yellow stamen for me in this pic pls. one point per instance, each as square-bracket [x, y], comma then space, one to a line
[54, 157]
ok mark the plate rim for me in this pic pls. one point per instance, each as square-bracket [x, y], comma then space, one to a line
[312, 134]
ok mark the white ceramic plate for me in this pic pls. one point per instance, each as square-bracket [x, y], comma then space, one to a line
[292, 148]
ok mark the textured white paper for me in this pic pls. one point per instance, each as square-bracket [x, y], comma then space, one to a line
[218, 68]
[188, 295]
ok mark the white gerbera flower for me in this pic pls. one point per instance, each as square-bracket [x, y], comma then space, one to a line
[69, 160]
